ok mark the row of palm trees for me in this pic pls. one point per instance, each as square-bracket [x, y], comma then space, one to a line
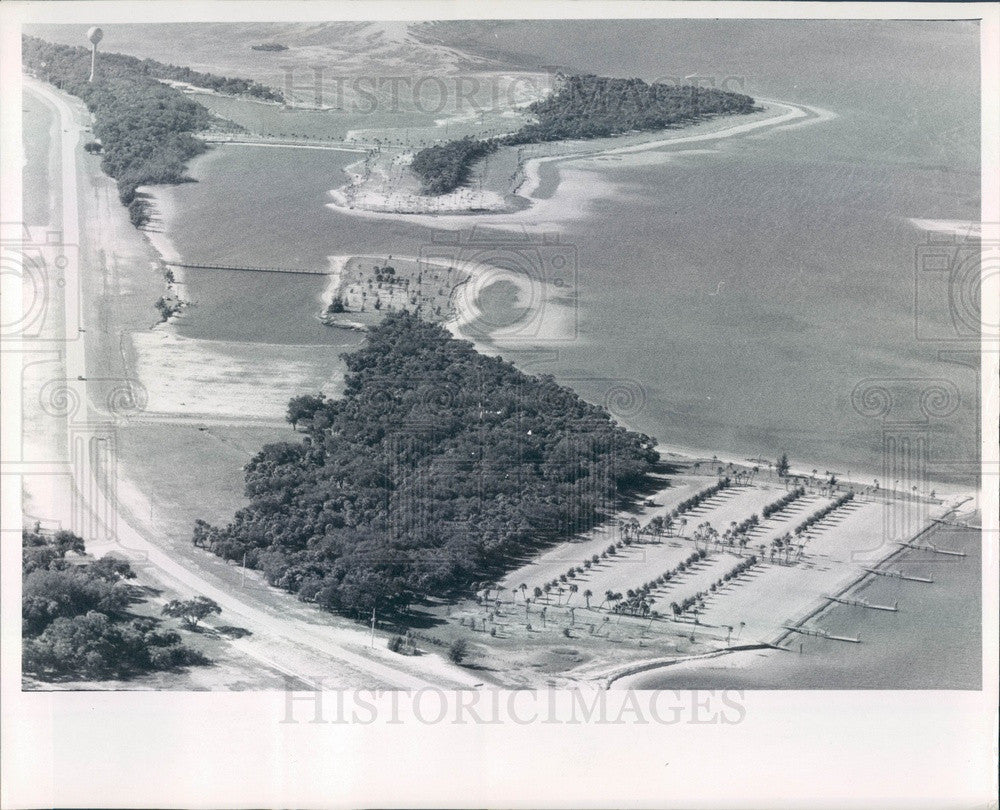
[698, 599]
[638, 602]
[699, 498]
[776, 506]
[630, 531]
[819, 514]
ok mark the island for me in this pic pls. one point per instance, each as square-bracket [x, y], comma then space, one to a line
[584, 107]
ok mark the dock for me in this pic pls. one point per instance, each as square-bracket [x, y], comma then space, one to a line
[864, 604]
[898, 575]
[248, 268]
[934, 549]
[821, 634]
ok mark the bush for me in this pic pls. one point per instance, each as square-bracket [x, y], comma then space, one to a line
[92, 646]
[138, 212]
[458, 650]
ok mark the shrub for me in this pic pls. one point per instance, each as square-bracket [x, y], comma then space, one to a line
[458, 650]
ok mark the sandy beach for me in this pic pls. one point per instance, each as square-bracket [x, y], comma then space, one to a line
[385, 190]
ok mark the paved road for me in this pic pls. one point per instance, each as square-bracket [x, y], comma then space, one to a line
[279, 642]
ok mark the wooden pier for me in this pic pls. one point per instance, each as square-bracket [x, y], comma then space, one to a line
[934, 549]
[250, 269]
[898, 575]
[822, 634]
[864, 604]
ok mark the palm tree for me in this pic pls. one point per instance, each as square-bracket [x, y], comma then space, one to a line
[538, 593]
[586, 595]
[572, 590]
[524, 589]
[547, 589]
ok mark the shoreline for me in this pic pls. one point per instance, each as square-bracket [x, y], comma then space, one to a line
[466, 313]
[520, 206]
[822, 606]
[161, 210]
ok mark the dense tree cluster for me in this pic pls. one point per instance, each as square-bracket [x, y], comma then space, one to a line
[125, 64]
[439, 467]
[145, 127]
[583, 107]
[74, 616]
[597, 107]
[445, 167]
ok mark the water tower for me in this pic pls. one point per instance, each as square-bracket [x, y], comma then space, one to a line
[95, 35]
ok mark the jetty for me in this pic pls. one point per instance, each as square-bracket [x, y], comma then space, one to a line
[898, 575]
[863, 603]
[934, 549]
[251, 269]
[821, 634]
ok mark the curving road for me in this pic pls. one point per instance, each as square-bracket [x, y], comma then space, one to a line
[310, 648]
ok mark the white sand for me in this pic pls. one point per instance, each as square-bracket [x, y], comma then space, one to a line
[185, 377]
[954, 227]
[571, 197]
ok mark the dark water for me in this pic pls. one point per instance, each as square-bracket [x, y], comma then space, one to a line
[933, 642]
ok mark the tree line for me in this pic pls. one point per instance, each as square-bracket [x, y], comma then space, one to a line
[440, 467]
[585, 107]
[75, 620]
[145, 127]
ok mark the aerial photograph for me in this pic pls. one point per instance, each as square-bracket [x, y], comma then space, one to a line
[501, 354]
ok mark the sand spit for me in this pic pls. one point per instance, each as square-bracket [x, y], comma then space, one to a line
[381, 188]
